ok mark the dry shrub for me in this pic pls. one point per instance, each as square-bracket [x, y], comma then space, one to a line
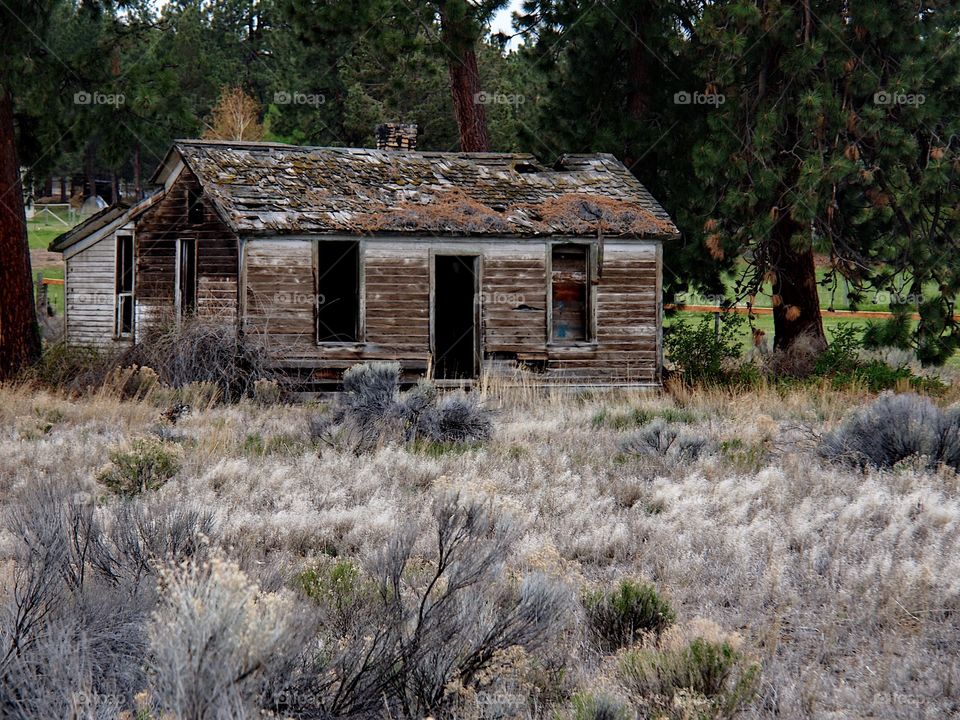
[73, 624]
[599, 707]
[895, 428]
[372, 411]
[146, 465]
[70, 369]
[694, 671]
[198, 351]
[217, 641]
[420, 631]
[632, 610]
[660, 439]
[797, 361]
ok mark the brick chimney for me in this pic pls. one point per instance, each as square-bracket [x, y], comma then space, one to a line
[397, 136]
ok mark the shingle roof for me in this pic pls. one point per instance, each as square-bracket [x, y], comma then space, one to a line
[88, 227]
[118, 213]
[268, 188]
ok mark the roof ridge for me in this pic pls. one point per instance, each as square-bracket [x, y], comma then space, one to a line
[265, 187]
[270, 145]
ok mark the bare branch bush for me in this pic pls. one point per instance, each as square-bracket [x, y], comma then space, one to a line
[659, 439]
[73, 624]
[895, 428]
[217, 642]
[203, 351]
[433, 624]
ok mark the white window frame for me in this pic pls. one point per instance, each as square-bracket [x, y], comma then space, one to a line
[130, 295]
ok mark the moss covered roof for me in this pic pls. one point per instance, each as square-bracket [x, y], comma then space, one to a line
[269, 188]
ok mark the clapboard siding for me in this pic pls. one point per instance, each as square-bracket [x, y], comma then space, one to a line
[397, 294]
[217, 265]
[627, 322]
[89, 295]
[279, 292]
[514, 298]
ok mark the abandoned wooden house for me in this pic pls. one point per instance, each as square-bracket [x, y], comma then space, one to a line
[452, 264]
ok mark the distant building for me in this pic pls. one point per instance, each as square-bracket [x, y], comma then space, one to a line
[450, 263]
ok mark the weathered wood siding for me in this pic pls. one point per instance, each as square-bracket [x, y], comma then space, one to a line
[280, 289]
[627, 321]
[514, 282]
[397, 294]
[156, 238]
[89, 294]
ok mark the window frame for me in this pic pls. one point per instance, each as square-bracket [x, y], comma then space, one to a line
[591, 262]
[361, 307]
[181, 310]
[120, 295]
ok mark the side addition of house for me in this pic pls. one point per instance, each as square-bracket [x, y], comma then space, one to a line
[452, 264]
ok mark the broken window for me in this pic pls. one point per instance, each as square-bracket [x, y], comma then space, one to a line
[571, 293]
[338, 291]
[123, 322]
[194, 206]
[187, 276]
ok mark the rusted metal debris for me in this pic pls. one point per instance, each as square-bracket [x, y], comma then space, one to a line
[267, 188]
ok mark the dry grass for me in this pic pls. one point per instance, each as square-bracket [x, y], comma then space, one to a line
[844, 584]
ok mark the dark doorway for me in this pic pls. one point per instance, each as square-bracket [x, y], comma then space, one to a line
[454, 313]
[187, 276]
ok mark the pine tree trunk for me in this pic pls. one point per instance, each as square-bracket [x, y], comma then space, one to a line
[19, 332]
[798, 312]
[641, 164]
[464, 74]
[90, 171]
[137, 175]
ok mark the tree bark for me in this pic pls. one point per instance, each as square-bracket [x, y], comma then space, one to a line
[464, 74]
[90, 170]
[19, 332]
[137, 174]
[797, 315]
[638, 73]
[643, 165]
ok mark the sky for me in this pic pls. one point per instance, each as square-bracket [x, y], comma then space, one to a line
[501, 21]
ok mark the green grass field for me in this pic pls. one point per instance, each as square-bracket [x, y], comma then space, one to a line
[835, 299]
[41, 231]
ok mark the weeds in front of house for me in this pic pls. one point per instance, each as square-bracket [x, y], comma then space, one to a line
[146, 465]
[708, 354]
[373, 411]
[760, 533]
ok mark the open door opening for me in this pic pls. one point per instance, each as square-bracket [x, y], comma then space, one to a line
[186, 276]
[455, 317]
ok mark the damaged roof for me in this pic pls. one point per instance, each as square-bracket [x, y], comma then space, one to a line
[103, 220]
[269, 188]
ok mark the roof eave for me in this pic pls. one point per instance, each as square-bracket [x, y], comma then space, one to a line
[78, 234]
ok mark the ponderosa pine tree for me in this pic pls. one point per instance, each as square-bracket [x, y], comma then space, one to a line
[615, 73]
[22, 27]
[462, 24]
[837, 139]
[454, 29]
